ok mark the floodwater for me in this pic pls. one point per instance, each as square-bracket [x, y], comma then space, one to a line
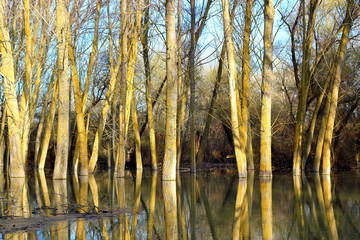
[214, 205]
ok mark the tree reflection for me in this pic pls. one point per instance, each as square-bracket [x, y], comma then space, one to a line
[62, 206]
[19, 207]
[239, 210]
[170, 205]
[193, 195]
[266, 207]
[121, 198]
[207, 207]
[300, 214]
[136, 203]
[82, 205]
[329, 211]
[94, 192]
[45, 192]
[152, 205]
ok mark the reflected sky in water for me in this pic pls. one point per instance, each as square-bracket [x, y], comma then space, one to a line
[214, 205]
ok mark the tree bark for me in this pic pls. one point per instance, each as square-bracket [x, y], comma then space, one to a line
[233, 91]
[326, 166]
[150, 115]
[62, 153]
[267, 78]
[17, 168]
[169, 165]
[246, 70]
[305, 84]
[192, 87]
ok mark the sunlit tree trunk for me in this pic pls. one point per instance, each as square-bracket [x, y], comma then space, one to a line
[192, 87]
[31, 86]
[249, 148]
[62, 144]
[169, 165]
[310, 136]
[181, 90]
[308, 36]
[17, 168]
[130, 79]
[320, 139]
[2, 139]
[46, 136]
[80, 116]
[267, 79]
[246, 70]
[145, 53]
[121, 155]
[233, 90]
[25, 100]
[334, 92]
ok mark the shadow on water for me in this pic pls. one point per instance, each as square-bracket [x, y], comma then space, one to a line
[204, 206]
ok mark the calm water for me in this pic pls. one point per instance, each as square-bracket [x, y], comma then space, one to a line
[209, 206]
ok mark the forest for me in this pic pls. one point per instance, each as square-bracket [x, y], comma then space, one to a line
[88, 85]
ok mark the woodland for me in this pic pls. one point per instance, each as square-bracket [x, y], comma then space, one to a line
[265, 85]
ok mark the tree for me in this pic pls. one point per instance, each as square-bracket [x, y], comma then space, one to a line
[305, 83]
[169, 167]
[62, 152]
[233, 91]
[267, 78]
[351, 14]
[150, 114]
[12, 108]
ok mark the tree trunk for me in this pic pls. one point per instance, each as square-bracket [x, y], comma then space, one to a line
[182, 89]
[17, 168]
[305, 84]
[169, 165]
[326, 166]
[46, 136]
[150, 116]
[267, 78]
[81, 144]
[130, 80]
[233, 91]
[62, 154]
[320, 139]
[266, 208]
[244, 121]
[121, 155]
[192, 87]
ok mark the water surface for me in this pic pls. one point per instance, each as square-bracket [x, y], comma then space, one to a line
[214, 205]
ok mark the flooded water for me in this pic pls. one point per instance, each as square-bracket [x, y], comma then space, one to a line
[206, 206]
